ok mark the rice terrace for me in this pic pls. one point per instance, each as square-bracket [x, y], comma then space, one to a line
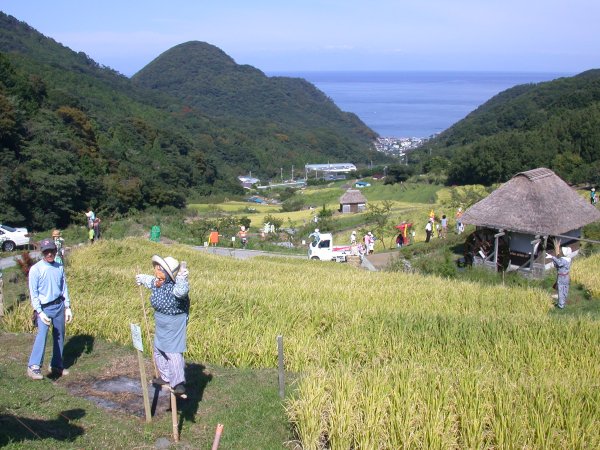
[417, 362]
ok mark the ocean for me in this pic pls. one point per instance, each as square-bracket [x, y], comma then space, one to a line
[414, 104]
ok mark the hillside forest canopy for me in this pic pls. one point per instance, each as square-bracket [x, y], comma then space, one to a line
[74, 134]
[553, 124]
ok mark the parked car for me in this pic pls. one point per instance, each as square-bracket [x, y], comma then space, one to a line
[324, 249]
[11, 238]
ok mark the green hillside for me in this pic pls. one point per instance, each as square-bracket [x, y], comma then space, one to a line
[77, 134]
[554, 124]
[271, 120]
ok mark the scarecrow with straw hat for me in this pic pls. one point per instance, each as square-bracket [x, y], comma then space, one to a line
[169, 298]
[243, 234]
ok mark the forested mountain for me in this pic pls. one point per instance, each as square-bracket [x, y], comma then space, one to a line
[75, 134]
[273, 121]
[554, 124]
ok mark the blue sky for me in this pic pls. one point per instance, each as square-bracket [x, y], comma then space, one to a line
[307, 35]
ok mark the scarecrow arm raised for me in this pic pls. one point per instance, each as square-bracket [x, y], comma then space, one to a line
[144, 280]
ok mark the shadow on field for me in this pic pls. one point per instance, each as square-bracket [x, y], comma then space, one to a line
[196, 381]
[20, 429]
[75, 347]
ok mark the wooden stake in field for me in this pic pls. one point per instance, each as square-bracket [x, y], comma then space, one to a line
[136, 335]
[174, 417]
[280, 366]
[218, 433]
[148, 336]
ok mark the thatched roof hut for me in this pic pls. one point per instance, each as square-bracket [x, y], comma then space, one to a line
[536, 202]
[516, 224]
[352, 201]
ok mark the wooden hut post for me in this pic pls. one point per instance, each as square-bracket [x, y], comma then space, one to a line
[534, 245]
[496, 237]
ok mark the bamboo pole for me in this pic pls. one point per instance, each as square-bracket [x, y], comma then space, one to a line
[174, 417]
[147, 326]
[144, 386]
[218, 433]
[280, 366]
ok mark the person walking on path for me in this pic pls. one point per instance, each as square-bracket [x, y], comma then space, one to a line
[96, 226]
[444, 227]
[459, 225]
[90, 217]
[60, 247]
[353, 238]
[91, 235]
[370, 243]
[428, 230]
[52, 306]
[593, 196]
[169, 297]
[563, 266]
[399, 240]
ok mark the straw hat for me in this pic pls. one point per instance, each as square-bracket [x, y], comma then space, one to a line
[56, 233]
[170, 264]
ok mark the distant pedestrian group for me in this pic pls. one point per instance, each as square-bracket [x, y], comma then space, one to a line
[369, 241]
[93, 225]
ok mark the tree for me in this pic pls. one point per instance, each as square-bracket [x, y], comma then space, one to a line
[398, 173]
[379, 215]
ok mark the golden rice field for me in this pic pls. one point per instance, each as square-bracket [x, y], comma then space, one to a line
[386, 360]
[586, 271]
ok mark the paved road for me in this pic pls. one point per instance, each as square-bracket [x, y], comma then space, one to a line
[10, 261]
[238, 253]
[245, 254]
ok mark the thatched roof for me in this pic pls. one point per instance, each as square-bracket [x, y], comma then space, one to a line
[534, 202]
[352, 196]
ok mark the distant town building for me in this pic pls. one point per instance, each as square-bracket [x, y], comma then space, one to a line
[247, 182]
[397, 147]
[333, 171]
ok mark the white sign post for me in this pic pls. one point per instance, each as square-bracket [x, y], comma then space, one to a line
[136, 337]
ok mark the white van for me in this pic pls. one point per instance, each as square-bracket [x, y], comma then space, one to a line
[324, 250]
